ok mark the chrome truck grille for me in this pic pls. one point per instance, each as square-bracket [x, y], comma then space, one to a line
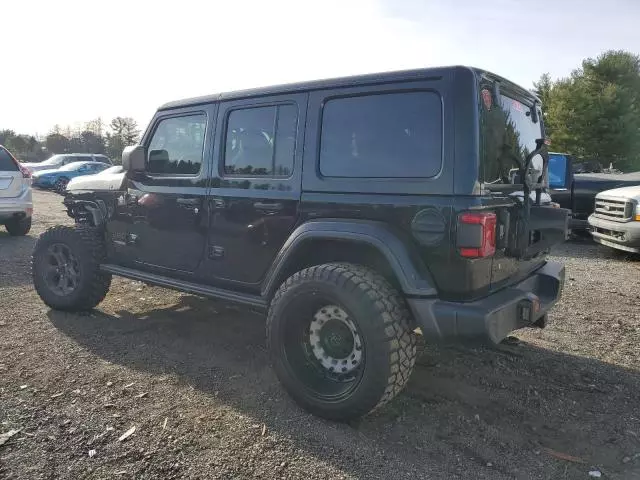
[614, 209]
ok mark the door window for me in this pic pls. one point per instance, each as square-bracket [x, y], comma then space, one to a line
[177, 145]
[261, 141]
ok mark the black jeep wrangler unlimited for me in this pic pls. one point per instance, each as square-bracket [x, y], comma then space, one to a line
[357, 211]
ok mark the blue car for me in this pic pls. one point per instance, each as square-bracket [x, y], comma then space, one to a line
[59, 178]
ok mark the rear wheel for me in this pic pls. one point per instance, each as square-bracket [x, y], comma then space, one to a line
[18, 227]
[340, 339]
[66, 268]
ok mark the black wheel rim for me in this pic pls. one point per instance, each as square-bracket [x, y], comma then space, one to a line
[323, 347]
[62, 185]
[61, 269]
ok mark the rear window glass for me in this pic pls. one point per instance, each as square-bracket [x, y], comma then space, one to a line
[509, 135]
[396, 135]
[6, 162]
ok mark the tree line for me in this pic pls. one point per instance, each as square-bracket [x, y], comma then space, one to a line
[595, 112]
[94, 137]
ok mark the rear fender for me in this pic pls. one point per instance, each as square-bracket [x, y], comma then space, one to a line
[412, 276]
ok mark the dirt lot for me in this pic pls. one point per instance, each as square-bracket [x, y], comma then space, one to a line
[192, 377]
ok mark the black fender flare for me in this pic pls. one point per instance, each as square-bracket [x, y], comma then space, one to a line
[414, 279]
[97, 208]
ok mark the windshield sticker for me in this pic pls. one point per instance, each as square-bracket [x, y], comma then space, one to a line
[517, 106]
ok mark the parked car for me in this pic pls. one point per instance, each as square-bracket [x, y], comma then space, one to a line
[16, 205]
[615, 221]
[353, 210]
[108, 179]
[577, 191]
[58, 179]
[60, 160]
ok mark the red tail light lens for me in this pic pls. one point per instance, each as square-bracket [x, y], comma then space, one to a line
[26, 173]
[477, 234]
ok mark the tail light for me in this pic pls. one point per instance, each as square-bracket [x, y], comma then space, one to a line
[476, 236]
[26, 173]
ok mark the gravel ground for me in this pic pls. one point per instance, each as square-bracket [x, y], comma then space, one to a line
[192, 377]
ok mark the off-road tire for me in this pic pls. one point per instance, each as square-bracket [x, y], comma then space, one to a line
[87, 244]
[18, 227]
[384, 323]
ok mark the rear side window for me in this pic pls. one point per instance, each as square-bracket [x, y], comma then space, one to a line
[177, 145]
[392, 135]
[6, 162]
[261, 141]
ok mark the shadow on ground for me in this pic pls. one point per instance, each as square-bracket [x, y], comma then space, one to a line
[492, 412]
[18, 251]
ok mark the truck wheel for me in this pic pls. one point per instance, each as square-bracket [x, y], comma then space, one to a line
[66, 268]
[340, 340]
[18, 227]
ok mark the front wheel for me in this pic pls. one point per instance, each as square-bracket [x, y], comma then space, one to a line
[340, 340]
[66, 268]
[61, 185]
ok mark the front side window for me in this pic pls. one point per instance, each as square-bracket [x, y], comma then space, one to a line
[177, 145]
[261, 141]
[392, 135]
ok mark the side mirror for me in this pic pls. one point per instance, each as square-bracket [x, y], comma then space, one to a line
[134, 158]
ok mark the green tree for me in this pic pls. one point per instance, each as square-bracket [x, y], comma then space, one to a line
[124, 132]
[542, 88]
[595, 113]
[57, 143]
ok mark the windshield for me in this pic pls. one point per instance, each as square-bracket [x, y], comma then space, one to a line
[509, 134]
[55, 160]
[557, 170]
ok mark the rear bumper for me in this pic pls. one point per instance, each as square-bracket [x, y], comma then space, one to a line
[22, 205]
[621, 235]
[492, 318]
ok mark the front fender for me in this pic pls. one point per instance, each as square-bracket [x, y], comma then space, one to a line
[413, 277]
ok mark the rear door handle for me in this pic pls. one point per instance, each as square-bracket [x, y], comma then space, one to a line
[188, 201]
[268, 206]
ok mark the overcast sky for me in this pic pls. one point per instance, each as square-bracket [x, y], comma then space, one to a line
[66, 62]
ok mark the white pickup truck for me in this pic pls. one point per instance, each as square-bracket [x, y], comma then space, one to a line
[615, 221]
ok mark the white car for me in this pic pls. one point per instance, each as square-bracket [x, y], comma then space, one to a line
[16, 204]
[615, 221]
[109, 179]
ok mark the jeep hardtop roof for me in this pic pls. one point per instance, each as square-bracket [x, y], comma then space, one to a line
[368, 79]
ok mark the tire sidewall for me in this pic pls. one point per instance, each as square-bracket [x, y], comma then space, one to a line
[362, 310]
[85, 263]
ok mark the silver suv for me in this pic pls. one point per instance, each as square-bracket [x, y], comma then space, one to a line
[16, 205]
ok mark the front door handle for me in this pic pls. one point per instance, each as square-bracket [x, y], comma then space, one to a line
[188, 201]
[269, 206]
